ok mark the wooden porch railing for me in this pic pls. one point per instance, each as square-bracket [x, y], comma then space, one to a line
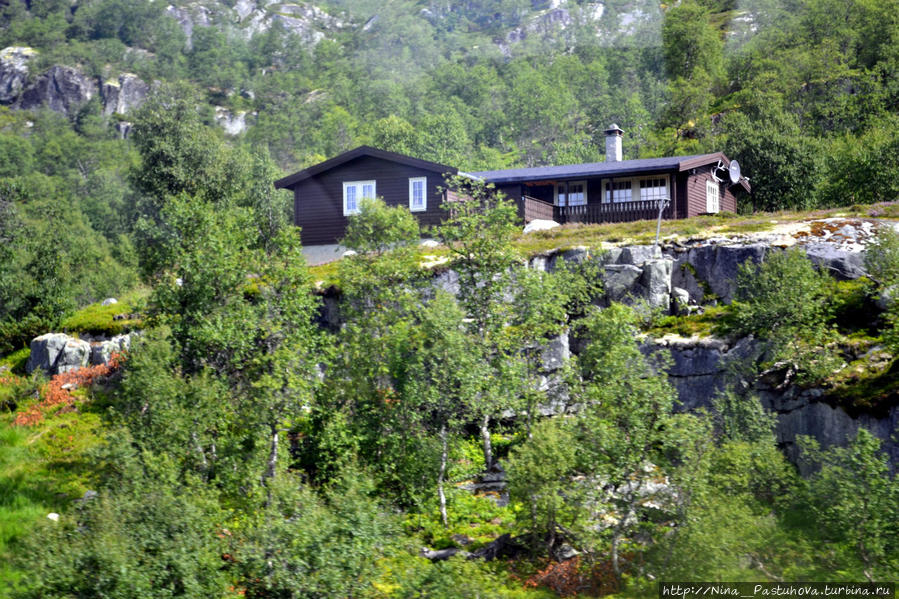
[619, 212]
[537, 209]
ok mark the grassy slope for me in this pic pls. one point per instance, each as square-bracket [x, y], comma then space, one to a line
[43, 468]
[643, 232]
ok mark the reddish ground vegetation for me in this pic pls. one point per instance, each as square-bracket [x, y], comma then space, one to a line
[54, 394]
[572, 577]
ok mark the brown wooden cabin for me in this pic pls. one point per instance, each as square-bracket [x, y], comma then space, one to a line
[621, 191]
[326, 194]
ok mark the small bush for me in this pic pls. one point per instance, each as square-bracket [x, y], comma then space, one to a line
[785, 294]
[16, 361]
[16, 334]
[882, 257]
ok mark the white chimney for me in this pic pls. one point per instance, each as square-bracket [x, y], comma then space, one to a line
[613, 143]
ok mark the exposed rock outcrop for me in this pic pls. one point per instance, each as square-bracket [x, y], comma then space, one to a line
[305, 20]
[64, 89]
[55, 353]
[14, 72]
[101, 351]
[122, 95]
[700, 368]
[234, 123]
[190, 16]
[61, 89]
[712, 269]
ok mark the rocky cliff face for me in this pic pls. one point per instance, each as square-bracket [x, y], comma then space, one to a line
[307, 21]
[682, 276]
[124, 94]
[63, 89]
[13, 72]
[702, 367]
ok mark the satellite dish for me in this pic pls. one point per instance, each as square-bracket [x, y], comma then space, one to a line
[734, 172]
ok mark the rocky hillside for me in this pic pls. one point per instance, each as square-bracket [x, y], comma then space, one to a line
[691, 278]
[28, 81]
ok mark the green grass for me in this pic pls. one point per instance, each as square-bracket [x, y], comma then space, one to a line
[97, 319]
[42, 469]
[638, 232]
[866, 386]
[712, 322]
[643, 232]
[328, 274]
[325, 275]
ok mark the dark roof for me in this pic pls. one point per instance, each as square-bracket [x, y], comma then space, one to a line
[591, 169]
[291, 180]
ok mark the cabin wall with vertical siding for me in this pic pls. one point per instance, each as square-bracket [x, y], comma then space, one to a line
[680, 191]
[318, 200]
[695, 193]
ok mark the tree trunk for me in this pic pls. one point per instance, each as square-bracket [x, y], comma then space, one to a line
[485, 439]
[616, 567]
[440, 477]
[204, 464]
[272, 454]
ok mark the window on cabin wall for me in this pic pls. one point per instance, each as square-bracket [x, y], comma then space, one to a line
[654, 189]
[353, 194]
[618, 191]
[712, 199]
[625, 189]
[571, 193]
[418, 199]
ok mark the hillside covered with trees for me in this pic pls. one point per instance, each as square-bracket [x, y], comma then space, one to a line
[244, 447]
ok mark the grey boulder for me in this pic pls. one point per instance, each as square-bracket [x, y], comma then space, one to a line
[55, 353]
[620, 281]
[102, 351]
[839, 263]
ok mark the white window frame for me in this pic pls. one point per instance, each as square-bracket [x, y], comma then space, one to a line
[358, 187]
[712, 196]
[565, 202]
[424, 194]
[635, 187]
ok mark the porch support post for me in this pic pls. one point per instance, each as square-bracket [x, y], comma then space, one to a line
[663, 202]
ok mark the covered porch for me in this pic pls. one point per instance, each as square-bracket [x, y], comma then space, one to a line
[621, 212]
[597, 201]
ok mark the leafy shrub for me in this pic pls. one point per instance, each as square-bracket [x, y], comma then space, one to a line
[13, 389]
[16, 361]
[16, 334]
[306, 545]
[147, 541]
[782, 295]
[853, 499]
[882, 257]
